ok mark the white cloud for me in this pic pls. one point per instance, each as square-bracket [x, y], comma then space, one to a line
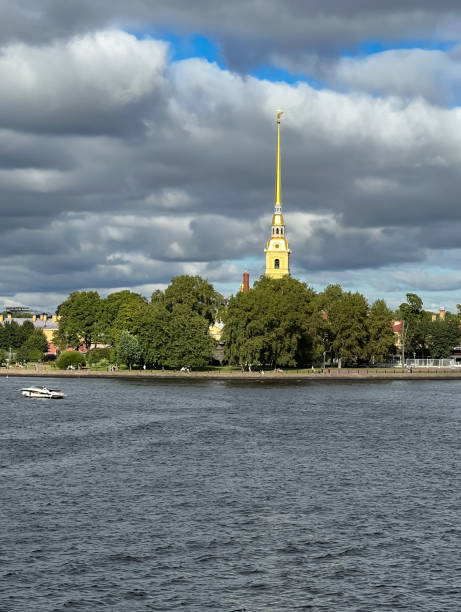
[170, 199]
[407, 73]
[59, 84]
[34, 179]
[368, 182]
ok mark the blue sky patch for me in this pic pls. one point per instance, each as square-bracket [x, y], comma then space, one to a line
[270, 73]
[185, 47]
[370, 47]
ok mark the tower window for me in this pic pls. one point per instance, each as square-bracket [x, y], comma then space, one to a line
[281, 230]
[277, 264]
[277, 231]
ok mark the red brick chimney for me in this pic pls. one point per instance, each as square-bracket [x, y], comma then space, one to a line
[246, 282]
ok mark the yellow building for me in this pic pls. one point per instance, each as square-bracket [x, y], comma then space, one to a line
[277, 250]
[215, 330]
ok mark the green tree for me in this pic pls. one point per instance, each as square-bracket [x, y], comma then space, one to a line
[25, 353]
[320, 322]
[119, 311]
[26, 329]
[188, 342]
[22, 355]
[381, 340]
[194, 293]
[174, 339]
[129, 316]
[157, 296]
[128, 350]
[154, 332]
[348, 321]
[415, 322]
[269, 324]
[339, 325]
[443, 336]
[37, 341]
[173, 329]
[12, 336]
[79, 322]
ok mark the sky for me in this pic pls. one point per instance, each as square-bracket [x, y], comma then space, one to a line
[137, 143]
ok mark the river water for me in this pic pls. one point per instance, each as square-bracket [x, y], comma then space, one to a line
[227, 496]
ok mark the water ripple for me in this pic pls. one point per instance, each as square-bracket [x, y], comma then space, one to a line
[231, 497]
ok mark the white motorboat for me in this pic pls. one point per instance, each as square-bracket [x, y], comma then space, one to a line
[42, 392]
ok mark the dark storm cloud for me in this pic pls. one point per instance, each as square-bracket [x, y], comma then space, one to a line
[120, 168]
[247, 31]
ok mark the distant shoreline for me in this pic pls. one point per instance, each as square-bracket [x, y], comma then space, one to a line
[343, 375]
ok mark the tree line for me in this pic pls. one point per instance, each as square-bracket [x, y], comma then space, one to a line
[285, 323]
[424, 337]
[24, 341]
[170, 330]
[278, 323]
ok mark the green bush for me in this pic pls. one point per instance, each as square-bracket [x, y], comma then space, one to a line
[25, 354]
[69, 358]
[35, 355]
[96, 355]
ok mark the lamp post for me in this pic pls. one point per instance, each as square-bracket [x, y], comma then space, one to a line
[324, 354]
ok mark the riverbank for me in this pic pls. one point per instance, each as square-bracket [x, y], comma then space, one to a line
[345, 374]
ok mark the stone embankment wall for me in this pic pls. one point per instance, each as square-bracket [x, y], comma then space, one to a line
[304, 375]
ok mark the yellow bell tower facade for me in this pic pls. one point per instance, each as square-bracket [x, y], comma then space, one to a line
[277, 250]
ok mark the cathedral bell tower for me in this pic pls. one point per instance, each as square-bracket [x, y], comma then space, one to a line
[277, 250]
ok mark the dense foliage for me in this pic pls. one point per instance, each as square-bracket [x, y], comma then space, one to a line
[279, 323]
[70, 358]
[170, 331]
[128, 350]
[424, 337]
[98, 355]
[339, 326]
[193, 294]
[269, 326]
[25, 341]
[80, 316]
[442, 336]
[381, 339]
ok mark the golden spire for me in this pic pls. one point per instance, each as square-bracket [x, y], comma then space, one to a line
[278, 180]
[277, 249]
